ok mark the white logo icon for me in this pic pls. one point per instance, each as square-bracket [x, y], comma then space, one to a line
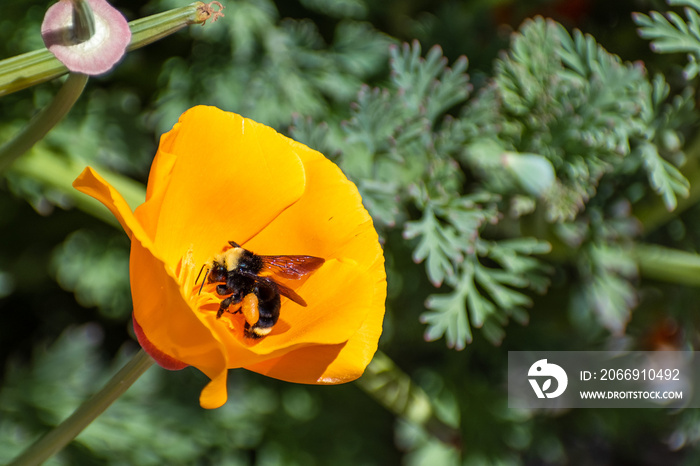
[543, 369]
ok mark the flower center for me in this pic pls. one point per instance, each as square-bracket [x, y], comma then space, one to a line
[202, 296]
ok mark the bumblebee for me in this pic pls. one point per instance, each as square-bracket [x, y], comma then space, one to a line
[246, 279]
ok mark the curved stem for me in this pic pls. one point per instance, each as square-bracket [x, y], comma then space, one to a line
[66, 431]
[42, 123]
[394, 389]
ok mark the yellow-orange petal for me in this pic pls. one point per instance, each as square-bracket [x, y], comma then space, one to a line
[230, 177]
[159, 307]
[166, 316]
[161, 169]
[157, 187]
[92, 184]
[333, 364]
[328, 221]
[302, 365]
[360, 348]
[215, 393]
[336, 297]
[280, 198]
[165, 361]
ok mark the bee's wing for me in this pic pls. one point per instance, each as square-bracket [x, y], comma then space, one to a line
[283, 290]
[291, 267]
[291, 294]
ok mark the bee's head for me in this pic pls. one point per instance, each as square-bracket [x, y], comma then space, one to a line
[221, 264]
[217, 273]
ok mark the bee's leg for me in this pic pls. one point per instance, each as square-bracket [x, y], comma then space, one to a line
[223, 306]
[250, 309]
[268, 306]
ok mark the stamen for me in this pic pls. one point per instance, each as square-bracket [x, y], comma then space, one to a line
[188, 281]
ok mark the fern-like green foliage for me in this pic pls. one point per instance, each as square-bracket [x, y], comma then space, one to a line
[268, 69]
[117, 436]
[602, 125]
[403, 151]
[567, 99]
[670, 33]
[159, 407]
[561, 120]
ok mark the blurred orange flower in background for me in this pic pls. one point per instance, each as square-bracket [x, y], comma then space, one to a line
[219, 177]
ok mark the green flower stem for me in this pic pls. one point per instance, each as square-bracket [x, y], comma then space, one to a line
[65, 432]
[653, 261]
[42, 123]
[667, 265]
[64, 100]
[152, 28]
[395, 390]
[58, 172]
[29, 69]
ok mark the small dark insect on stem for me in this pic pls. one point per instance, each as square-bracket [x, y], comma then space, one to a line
[198, 275]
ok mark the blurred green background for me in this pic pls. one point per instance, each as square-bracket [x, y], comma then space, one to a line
[324, 72]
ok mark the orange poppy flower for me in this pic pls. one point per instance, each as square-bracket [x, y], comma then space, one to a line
[219, 177]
